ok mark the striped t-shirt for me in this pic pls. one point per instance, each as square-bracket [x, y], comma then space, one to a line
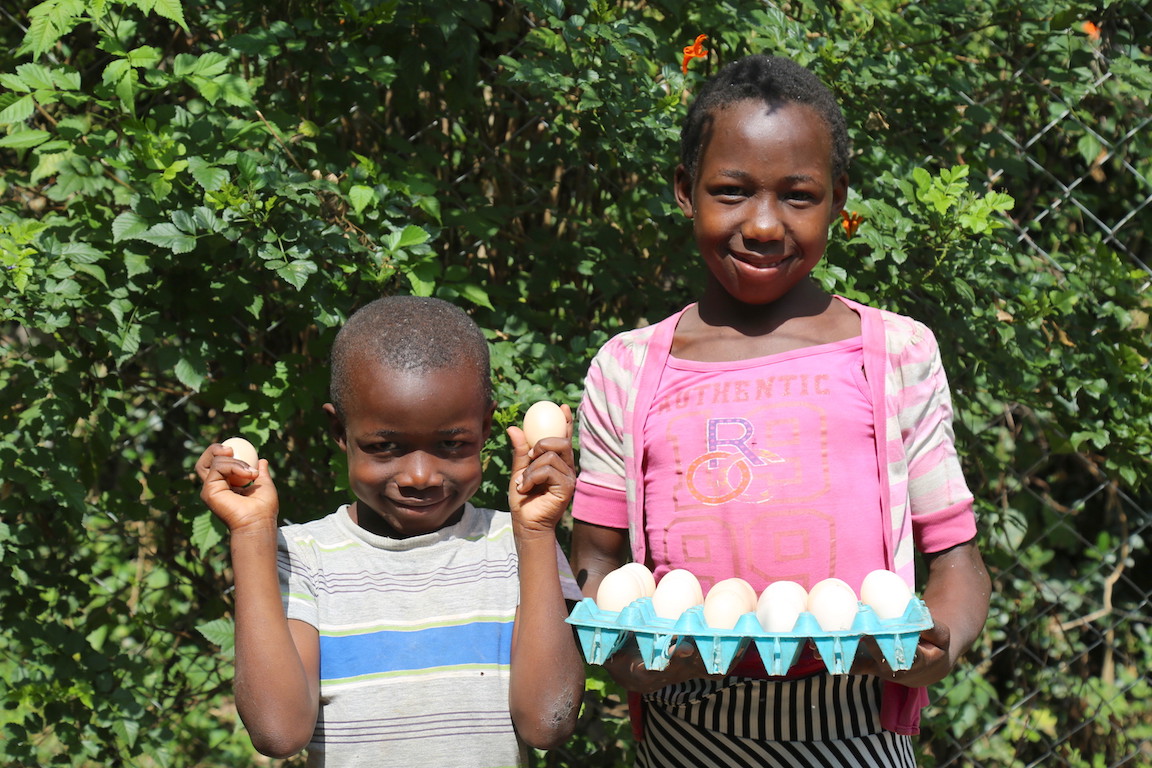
[415, 639]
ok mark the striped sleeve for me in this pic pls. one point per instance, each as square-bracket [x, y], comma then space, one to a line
[297, 576]
[601, 496]
[941, 503]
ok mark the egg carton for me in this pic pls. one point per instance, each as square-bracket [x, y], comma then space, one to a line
[601, 633]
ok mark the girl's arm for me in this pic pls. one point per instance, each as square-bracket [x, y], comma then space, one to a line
[957, 594]
[596, 552]
[277, 681]
[547, 678]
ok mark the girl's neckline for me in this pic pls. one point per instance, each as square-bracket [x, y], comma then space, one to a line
[721, 344]
[827, 347]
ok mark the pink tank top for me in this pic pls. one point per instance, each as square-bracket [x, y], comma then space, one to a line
[765, 469]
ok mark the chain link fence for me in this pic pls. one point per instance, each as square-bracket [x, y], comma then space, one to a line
[1070, 642]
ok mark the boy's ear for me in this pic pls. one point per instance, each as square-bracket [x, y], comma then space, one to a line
[488, 420]
[839, 196]
[682, 187]
[336, 427]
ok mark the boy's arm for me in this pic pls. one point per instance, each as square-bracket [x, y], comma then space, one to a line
[957, 594]
[547, 678]
[277, 661]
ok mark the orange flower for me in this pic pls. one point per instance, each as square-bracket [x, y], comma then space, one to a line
[1091, 30]
[851, 222]
[694, 51]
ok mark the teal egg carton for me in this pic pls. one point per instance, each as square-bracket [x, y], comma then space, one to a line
[601, 633]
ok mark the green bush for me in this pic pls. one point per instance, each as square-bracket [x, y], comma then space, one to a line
[193, 197]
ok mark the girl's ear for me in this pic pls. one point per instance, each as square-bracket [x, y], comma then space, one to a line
[839, 196]
[336, 427]
[682, 187]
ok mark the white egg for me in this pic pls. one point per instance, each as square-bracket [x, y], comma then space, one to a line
[723, 608]
[643, 574]
[740, 587]
[677, 591]
[780, 604]
[246, 452]
[886, 592]
[544, 419]
[243, 450]
[833, 602]
[618, 589]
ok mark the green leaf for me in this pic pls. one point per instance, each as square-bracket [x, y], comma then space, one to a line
[206, 532]
[25, 139]
[190, 374]
[412, 235]
[208, 176]
[360, 197]
[128, 226]
[171, 9]
[127, 731]
[14, 83]
[36, 76]
[18, 111]
[221, 632]
[476, 295]
[169, 236]
[297, 272]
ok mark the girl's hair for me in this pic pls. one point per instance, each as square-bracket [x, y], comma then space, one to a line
[409, 333]
[774, 80]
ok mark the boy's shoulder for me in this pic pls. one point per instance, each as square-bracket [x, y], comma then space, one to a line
[338, 526]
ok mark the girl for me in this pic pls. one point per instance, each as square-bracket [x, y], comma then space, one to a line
[773, 431]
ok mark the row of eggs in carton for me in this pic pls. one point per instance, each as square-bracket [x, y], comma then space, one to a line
[780, 620]
[832, 601]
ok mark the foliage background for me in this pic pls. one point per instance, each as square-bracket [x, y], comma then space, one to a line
[194, 196]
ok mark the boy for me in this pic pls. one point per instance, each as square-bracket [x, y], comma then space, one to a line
[420, 630]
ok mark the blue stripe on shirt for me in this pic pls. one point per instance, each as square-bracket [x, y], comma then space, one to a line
[381, 652]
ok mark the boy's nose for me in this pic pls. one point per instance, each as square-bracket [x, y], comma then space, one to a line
[763, 222]
[419, 471]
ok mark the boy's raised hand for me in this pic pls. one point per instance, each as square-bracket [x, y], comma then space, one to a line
[543, 479]
[251, 501]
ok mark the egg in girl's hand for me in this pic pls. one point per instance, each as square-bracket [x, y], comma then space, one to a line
[677, 591]
[245, 452]
[619, 589]
[887, 594]
[780, 604]
[727, 601]
[833, 602]
[544, 419]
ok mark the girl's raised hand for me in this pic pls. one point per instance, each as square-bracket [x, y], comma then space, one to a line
[241, 496]
[543, 479]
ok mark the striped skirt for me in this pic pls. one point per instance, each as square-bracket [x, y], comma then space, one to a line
[823, 720]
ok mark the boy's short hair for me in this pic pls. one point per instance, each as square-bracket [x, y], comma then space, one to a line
[409, 333]
[775, 81]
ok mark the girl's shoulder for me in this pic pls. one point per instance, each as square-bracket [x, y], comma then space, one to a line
[631, 346]
[900, 331]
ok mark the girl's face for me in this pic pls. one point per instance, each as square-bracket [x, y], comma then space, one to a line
[763, 198]
[413, 441]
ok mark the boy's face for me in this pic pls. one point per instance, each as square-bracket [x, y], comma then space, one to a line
[763, 198]
[413, 440]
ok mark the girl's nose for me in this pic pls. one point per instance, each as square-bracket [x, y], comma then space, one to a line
[763, 222]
